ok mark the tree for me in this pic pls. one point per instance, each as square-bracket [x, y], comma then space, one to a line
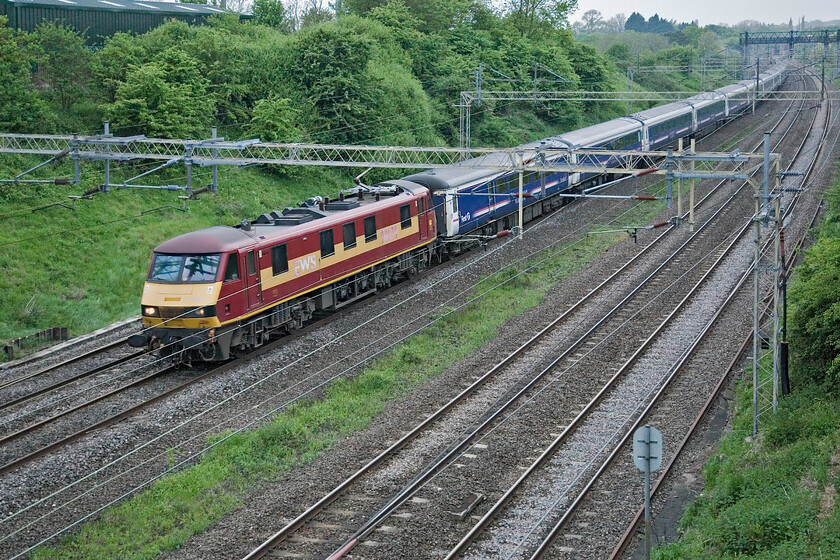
[616, 23]
[315, 12]
[330, 65]
[658, 25]
[271, 13]
[165, 98]
[529, 16]
[815, 312]
[62, 61]
[636, 22]
[620, 55]
[274, 121]
[592, 21]
[21, 109]
[111, 63]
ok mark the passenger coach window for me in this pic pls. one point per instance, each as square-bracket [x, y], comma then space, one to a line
[327, 243]
[370, 228]
[348, 233]
[232, 269]
[405, 216]
[279, 259]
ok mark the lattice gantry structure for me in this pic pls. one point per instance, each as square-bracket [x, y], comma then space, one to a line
[749, 42]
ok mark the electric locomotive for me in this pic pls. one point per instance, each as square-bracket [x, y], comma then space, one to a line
[220, 290]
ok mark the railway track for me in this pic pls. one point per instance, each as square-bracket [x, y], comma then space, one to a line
[326, 523]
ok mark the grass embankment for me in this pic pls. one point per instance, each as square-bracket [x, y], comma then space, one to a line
[777, 497]
[186, 502]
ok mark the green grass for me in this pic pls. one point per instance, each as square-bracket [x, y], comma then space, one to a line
[186, 502]
[764, 500]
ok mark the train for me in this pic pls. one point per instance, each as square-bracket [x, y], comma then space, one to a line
[216, 292]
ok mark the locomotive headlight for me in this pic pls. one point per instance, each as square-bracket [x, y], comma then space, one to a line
[150, 311]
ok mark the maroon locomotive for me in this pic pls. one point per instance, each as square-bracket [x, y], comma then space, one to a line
[221, 289]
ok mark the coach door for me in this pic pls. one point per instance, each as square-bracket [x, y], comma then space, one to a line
[252, 274]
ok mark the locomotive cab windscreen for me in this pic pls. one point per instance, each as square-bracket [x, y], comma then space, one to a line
[184, 268]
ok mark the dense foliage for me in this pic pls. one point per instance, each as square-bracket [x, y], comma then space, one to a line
[384, 72]
[815, 305]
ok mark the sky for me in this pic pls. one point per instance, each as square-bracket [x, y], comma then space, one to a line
[716, 11]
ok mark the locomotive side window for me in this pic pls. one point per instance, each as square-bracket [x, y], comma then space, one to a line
[279, 259]
[370, 228]
[421, 206]
[327, 243]
[348, 233]
[252, 269]
[232, 268]
[405, 216]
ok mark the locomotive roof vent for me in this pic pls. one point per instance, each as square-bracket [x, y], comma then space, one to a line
[313, 213]
[291, 220]
[268, 217]
[245, 225]
[341, 205]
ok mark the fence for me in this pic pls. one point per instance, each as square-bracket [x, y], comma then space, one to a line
[20, 346]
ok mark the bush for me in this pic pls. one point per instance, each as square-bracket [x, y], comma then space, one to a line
[752, 526]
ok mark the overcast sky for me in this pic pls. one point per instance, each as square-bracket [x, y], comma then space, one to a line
[717, 11]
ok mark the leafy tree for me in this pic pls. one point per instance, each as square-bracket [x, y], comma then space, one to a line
[271, 13]
[815, 313]
[62, 61]
[110, 64]
[166, 97]
[620, 55]
[658, 25]
[531, 16]
[21, 109]
[636, 22]
[330, 65]
[396, 15]
[589, 65]
[274, 121]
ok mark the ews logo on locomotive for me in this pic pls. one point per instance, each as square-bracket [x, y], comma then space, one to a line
[305, 264]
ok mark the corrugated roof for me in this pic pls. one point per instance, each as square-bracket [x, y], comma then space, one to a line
[125, 5]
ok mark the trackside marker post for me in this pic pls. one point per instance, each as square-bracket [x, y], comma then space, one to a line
[647, 455]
